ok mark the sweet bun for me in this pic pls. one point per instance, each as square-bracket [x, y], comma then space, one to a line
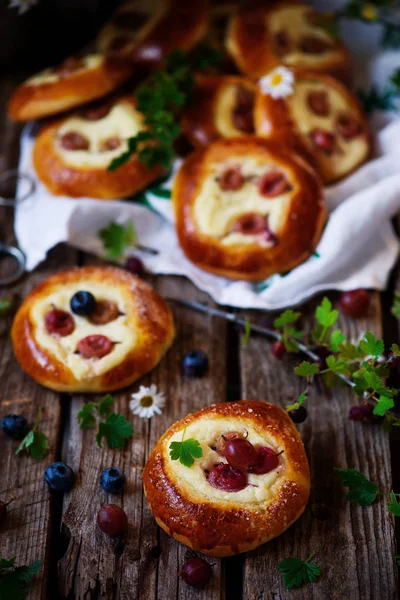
[146, 31]
[247, 207]
[72, 155]
[217, 520]
[125, 337]
[262, 36]
[222, 107]
[324, 116]
[74, 82]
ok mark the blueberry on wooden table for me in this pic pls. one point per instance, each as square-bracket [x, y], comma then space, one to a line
[195, 363]
[112, 480]
[15, 426]
[59, 477]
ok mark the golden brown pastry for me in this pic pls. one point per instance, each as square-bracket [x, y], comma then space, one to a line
[222, 107]
[264, 35]
[324, 116]
[72, 155]
[246, 208]
[146, 31]
[120, 333]
[215, 507]
[74, 82]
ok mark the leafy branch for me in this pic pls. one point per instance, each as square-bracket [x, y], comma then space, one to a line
[35, 442]
[364, 492]
[114, 427]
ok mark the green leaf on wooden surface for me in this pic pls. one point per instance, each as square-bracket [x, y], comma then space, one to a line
[393, 504]
[362, 490]
[306, 369]
[116, 429]
[296, 572]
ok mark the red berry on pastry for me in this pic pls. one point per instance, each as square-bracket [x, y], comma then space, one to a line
[318, 102]
[112, 519]
[110, 144]
[196, 572]
[323, 139]
[95, 346]
[97, 111]
[354, 303]
[226, 478]
[223, 439]
[278, 349]
[273, 184]
[105, 311]
[240, 453]
[250, 224]
[348, 127]
[267, 460]
[231, 179]
[59, 322]
[74, 141]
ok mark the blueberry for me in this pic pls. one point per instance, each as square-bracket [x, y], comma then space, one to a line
[83, 303]
[298, 415]
[59, 477]
[15, 426]
[195, 363]
[112, 480]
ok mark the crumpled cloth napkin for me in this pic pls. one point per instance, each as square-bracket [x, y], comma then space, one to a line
[357, 250]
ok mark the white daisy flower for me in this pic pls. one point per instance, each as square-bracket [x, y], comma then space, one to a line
[278, 83]
[147, 402]
[22, 5]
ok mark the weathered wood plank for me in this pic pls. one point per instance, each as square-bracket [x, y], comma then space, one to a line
[354, 547]
[147, 562]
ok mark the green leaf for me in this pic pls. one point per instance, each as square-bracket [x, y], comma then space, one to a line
[348, 351]
[86, 417]
[116, 238]
[287, 318]
[247, 333]
[395, 349]
[362, 490]
[14, 579]
[116, 429]
[302, 398]
[394, 505]
[337, 338]
[336, 365]
[5, 305]
[306, 369]
[396, 306]
[26, 573]
[325, 315]
[35, 443]
[371, 346]
[105, 405]
[7, 563]
[203, 57]
[384, 404]
[296, 572]
[185, 451]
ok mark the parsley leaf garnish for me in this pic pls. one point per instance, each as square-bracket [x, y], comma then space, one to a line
[14, 579]
[116, 238]
[370, 345]
[296, 572]
[393, 504]
[384, 404]
[185, 451]
[306, 369]
[35, 442]
[114, 427]
[362, 490]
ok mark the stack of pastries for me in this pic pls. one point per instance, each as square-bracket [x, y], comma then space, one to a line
[249, 197]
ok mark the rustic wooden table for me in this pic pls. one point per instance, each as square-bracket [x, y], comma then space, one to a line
[354, 547]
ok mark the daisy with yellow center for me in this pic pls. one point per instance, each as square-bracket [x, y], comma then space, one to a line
[147, 402]
[278, 83]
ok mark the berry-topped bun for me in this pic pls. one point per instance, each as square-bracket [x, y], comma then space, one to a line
[91, 329]
[146, 31]
[263, 35]
[249, 482]
[222, 107]
[325, 116]
[72, 155]
[247, 208]
[74, 82]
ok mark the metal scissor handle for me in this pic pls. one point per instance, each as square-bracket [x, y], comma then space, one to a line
[18, 257]
[13, 174]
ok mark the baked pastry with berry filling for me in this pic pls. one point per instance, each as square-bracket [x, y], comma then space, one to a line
[251, 482]
[74, 82]
[91, 329]
[324, 116]
[262, 36]
[146, 31]
[247, 207]
[222, 107]
[72, 155]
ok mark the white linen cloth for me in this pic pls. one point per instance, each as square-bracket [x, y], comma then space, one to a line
[357, 249]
